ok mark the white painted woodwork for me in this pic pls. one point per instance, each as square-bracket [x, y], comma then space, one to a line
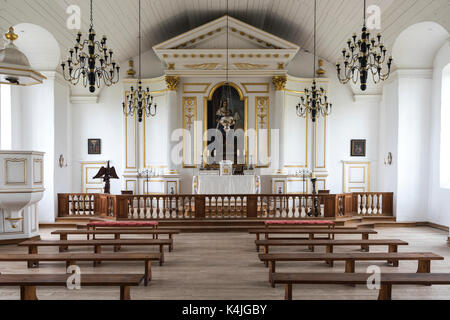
[21, 187]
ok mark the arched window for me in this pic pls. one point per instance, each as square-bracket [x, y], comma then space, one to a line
[5, 117]
[445, 128]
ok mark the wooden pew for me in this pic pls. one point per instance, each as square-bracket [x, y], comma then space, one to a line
[330, 244]
[423, 258]
[387, 280]
[97, 244]
[29, 282]
[72, 258]
[63, 234]
[311, 232]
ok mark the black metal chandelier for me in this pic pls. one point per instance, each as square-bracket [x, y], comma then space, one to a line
[315, 102]
[139, 101]
[363, 56]
[91, 62]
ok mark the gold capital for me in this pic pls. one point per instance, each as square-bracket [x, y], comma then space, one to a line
[279, 82]
[172, 82]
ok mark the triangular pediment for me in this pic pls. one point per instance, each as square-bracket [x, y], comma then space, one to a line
[213, 35]
[226, 43]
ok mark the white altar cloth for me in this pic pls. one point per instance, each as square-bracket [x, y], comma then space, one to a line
[227, 184]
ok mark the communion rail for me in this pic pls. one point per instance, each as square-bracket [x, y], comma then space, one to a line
[220, 207]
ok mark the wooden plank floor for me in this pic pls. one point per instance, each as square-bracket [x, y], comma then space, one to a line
[225, 266]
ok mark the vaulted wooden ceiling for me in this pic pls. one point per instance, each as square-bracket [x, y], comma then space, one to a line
[163, 19]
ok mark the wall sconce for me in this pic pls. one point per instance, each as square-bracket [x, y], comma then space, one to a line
[388, 160]
[62, 161]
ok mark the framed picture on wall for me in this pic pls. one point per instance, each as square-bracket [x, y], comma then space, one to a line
[94, 146]
[358, 148]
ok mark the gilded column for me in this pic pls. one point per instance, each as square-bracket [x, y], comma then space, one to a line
[279, 83]
[172, 120]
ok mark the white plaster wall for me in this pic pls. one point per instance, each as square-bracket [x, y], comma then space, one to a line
[16, 114]
[388, 138]
[438, 209]
[349, 120]
[413, 148]
[63, 140]
[104, 121]
[38, 133]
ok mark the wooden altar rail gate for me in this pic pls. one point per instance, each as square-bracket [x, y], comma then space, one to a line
[216, 207]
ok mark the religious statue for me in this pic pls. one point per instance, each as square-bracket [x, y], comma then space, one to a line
[107, 174]
[225, 119]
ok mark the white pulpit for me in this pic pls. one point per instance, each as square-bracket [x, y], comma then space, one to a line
[21, 187]
[226, 184]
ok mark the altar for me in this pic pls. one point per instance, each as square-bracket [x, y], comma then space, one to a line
[213, 184]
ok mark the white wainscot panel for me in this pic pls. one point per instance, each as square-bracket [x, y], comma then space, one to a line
[296, 137]
[155, 135]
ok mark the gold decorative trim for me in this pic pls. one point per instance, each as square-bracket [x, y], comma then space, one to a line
[83, 164]
[144, 191]
[274, 187]
[189, 112]
[347, 174]
[89, 190]
[167, 186]
[262, 111]
[202, 66]
[134, 185]
[172, 83]
[205, 116]
[250, 66]
[279, 82]
[305, 181]
[16, 160]
[358, 167]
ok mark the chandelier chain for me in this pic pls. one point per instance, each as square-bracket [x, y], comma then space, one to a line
[140, 69]
[90, 62]
[364, 56]
[92, 14]
[315, 102]
[139, 102]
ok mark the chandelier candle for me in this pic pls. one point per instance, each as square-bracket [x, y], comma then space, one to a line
[139, 101]
[363, 56]
[91, 62]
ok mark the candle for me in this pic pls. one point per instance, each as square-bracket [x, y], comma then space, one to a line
[238, 153]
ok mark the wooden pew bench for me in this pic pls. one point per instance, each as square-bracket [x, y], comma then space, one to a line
[387, 280]
[33, 245]
[330, 244]
[72, 258]
[423, 258]
[311, 232]
[63, 234]
[94, 225]
[29, 282]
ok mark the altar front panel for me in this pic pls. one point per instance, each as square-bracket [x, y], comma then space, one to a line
[227, 185]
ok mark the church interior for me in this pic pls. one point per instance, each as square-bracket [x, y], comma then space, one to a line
[243, 149]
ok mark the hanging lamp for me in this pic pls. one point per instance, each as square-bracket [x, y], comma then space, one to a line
[139, 101]
[90, 62]
[15, 68]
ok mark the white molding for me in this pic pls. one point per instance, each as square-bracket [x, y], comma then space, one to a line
[376, 98]
[84, 99]
[412, 74]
